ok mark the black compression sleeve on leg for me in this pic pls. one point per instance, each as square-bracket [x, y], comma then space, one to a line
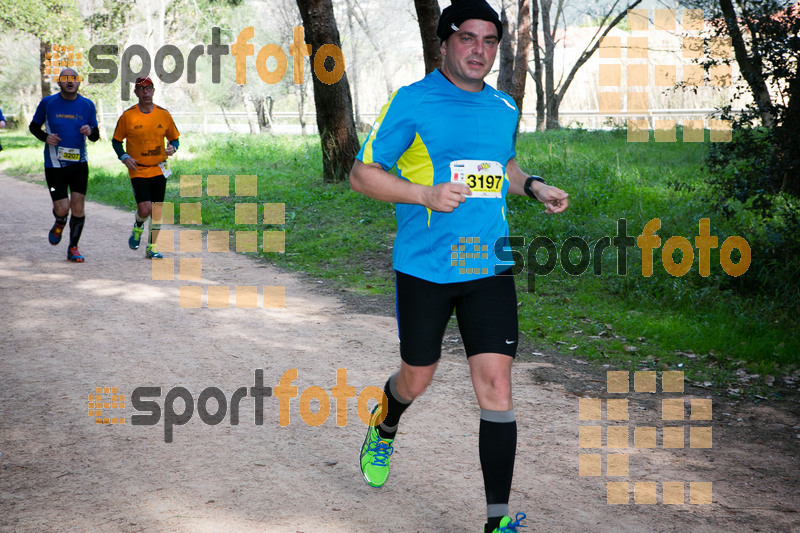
[497, 445]
[388, 428]
[75, 229]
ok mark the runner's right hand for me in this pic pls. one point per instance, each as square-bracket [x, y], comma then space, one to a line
[53, 139]
[130, 163]
[446, 197]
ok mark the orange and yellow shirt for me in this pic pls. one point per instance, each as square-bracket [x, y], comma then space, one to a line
[144, 135]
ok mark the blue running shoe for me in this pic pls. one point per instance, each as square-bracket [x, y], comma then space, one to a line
[151, 252]
[74, 255]
[55, 233]
[136, 237]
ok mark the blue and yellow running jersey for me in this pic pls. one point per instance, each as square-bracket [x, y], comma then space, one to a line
[65, 118]
[434, 132]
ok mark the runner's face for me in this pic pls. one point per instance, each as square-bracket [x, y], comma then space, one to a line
[68, 82]
[469, 54]
[145, 94]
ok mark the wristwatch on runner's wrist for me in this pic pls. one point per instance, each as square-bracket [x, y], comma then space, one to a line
[528, 182]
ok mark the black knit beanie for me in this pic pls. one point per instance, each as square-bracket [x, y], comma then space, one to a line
[460, 10]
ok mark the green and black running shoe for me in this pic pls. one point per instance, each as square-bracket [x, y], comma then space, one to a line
[375, 453]
[136, 237]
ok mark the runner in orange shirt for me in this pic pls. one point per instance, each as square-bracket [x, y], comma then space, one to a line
[144, 128]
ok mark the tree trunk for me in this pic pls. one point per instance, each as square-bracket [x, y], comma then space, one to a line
[506, 76]
[353, 62]
[301, 109]
[523, 49]
[162, 12]
[248, 112]
[789, 140]
[101, 121]
[24, 115]
[333, 103]
[261, 115]
[551, 121]
[428, 14]
[382, 57]
[750, 65]
[225, 117]
[270, 102]
[537, 66]
[44, 48]
[554, 96]
[591, 48]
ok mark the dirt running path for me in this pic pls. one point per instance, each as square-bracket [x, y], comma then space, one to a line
[66, 329]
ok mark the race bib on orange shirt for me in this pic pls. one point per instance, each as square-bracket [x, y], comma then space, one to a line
[165, 170]
[484, 178]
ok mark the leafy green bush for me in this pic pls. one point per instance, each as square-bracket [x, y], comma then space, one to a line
[749, 178]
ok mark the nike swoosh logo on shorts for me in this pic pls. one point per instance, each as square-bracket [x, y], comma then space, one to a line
[510, 342]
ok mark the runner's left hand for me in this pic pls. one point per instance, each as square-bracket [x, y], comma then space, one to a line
[554, 199]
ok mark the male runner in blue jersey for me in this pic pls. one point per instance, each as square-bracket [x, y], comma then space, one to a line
[452, 138]
[69, 119]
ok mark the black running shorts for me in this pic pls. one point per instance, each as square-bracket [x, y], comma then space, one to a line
[486, 310]
[74, 176]
[149, 189]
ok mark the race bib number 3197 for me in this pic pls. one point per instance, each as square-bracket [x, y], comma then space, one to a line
[484, 178]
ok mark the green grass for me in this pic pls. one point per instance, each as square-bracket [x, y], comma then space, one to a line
[629, 321]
